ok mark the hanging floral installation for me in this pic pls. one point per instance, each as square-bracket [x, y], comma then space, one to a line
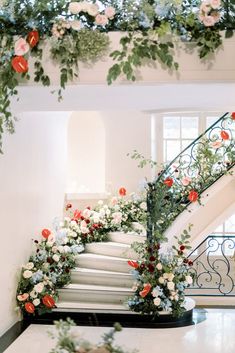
[77, 31]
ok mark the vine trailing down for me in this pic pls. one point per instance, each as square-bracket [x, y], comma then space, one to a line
[49, 267]
[77, 31]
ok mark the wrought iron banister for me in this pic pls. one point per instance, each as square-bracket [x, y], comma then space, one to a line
[195, 169]
[213, 267]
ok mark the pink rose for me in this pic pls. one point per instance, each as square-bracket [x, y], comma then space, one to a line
[101, 20]
[110, 12]
[186, 181]
[205, 7]
[21, 47]
[209, 21]
[216, 144]
[215, 4]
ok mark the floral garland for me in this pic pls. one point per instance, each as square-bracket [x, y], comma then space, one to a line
[80, 29]
[49, 267]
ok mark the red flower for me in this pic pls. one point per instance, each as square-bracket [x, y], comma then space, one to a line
[20, 64]
[29, 307]
[233, 115]
[182, 247]
[77, 214]
[190, 263]
[33, 38]
[151, 268]
[224, 135]
[68, 206]
[152, 258]
[133, 264]
[168, 182]
[193, 196]
[48, 301]
[46, 233]
[122, 192]
[146, 290]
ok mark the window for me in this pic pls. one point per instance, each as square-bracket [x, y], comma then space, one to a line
[226, 229]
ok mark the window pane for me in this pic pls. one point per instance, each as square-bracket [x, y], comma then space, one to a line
[171, 127]
[230, 224]
[186, 143]
[211, 120]
[172, 150]
[189, 127]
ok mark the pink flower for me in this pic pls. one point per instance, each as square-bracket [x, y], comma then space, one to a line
[205, 7]
[216, 144]
[216, 16]
[208, 21]
[101, 20]
[21, 47]
[22, 297]
[186, 181]
[110, 12]
[215, 4]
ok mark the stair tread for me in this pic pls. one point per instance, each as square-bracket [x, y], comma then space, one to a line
[111, 243]
[94, 287]
[96, 271]
[95, 307]
[104, 257]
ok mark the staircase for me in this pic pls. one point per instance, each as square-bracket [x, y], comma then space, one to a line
[102, 282]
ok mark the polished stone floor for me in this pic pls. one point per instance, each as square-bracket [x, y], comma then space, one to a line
[214, 334]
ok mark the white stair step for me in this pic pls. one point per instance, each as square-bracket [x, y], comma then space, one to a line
[126, 238]
[92, 307]
[101, 277]
[112, 249]
[103, 262]
[94, 294]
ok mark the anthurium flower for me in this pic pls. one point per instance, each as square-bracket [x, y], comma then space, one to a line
[146, 290]
[22, 297]
[193, 196]
[20, 64]
[233, 115]
[224, 135]
[21, 47]
[48, 301]
[168, 182]
[29, 307]
[122, 192]
[46, 233]
[133, 264]
[77, 214]
[33, 38]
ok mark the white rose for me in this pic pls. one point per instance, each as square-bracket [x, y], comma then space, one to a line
[110, 12]
[215, 4]
[84, 230]
[67, 249]
[56, 258]
[21, 47]
[165, 275]
[189, 279]
[170, 277]
[108, 212]
[171, 285]
[159, 266]
[39, 287]
[161, 280]
[176, 297]
[54, 249]
[65, 241]
[29, 266]
[36, 302]
[45, 265]
[93, 9]
[61, 249]
[76, 26]
[27, 274]
[157, 301]
[143, 206]
[75, 7]
[74, 223]
[86, 213]
[100, 202]
[33, 294]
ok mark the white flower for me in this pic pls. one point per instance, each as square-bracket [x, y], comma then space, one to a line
[165, 275]
[215, 4]
[176, 297]
[117, 217]
[93, 9]
[114, 200]
[75, 7]
[161, 280]
[33, 294]
[157, 301]
[27, 274]
[170, 277]
[108, 212]
[208, 21]
[143, 206]
[110, 12]
[50, 240]
[101, 20]
[56, 258]
[21, 47]
[189, 279]
[36, 302]
[86, 213]
[159, 266]
[84, 230]
[65, 241]
[100, 202]
[38, 288]
[76, 26]
[29, 266]
[171, 285]
[61, 249]
[54, 249]
[73, 223]
[67, 249]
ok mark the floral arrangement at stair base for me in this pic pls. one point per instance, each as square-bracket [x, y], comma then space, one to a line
[80, 29]
[49, 267]
[69, 342]
[161, 278]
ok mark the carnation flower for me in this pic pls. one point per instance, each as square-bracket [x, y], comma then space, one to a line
[27, 274]
[110, 12]
[21, 47]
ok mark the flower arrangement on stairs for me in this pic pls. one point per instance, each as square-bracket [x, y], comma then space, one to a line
[49, 267]
[77, 31]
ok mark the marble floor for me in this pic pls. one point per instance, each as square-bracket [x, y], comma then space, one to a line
[216, 334]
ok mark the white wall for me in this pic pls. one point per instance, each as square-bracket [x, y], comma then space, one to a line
[32, 184]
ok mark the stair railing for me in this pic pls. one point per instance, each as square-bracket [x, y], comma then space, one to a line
[194, 170]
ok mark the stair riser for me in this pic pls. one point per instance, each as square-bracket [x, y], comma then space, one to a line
[110, 297]
[124, 238]
[103, 249]
[107, 265]
[102, 279]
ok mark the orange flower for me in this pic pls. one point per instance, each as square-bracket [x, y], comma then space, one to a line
[20, 64]
[233, 115]
[146, 290]
[133, 264]
[77, 214]
[224, 135]
[46, 233]
[33, 38]
[48, 301]
[193, 196]
[122, 192]
[29, 307]
[168, 182]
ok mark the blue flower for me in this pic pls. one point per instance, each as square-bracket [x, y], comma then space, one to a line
[135, 274]
[76, 249]
[144, 21]
[166, 304]
[37, 276]
[41, 255]
[162, 10]
[60, 235]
